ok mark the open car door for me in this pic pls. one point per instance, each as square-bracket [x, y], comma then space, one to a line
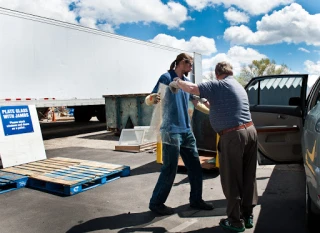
[277, 105]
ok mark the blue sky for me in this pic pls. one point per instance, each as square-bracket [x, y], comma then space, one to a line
[239, 31]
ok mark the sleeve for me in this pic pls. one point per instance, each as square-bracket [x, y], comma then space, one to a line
[164, 80]
[208, 89]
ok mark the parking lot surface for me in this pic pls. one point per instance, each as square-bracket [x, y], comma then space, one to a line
[122, 205]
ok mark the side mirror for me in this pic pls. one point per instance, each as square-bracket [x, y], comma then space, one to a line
[295, 101]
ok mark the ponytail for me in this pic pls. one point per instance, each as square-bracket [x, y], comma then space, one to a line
[173, 65]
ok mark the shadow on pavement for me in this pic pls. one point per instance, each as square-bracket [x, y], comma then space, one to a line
[282, 203]
[207, 174]
[108, 136]
[215, 229]
[153, 167]
[146, 229]
[162, 230]
[147, 168]
[139, 222]
[117, 222]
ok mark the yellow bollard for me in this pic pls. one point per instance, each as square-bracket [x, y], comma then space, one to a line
[217, 156]
[159, 151]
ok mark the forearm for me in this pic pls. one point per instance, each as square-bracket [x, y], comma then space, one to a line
[188, 87]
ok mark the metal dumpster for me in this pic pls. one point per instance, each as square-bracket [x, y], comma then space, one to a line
[127, 111]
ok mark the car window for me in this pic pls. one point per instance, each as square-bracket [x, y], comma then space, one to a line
[315, 96]
[276, 91]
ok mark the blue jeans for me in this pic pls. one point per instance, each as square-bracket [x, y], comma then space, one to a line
[175, 144]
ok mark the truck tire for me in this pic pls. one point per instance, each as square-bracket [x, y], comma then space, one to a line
[82, 114]
[101, 114]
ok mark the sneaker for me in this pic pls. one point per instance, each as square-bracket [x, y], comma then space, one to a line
[201, 205]
[225, 223]
[248, 222]
[161, 209]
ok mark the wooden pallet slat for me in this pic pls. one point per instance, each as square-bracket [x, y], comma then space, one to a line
[108, 166]
[60, 162]
[49, 165]
[34, 168]
[26, 172]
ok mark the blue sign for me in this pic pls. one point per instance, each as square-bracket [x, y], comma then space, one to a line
[16, 120]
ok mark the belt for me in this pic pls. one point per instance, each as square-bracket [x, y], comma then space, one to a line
[246, 125]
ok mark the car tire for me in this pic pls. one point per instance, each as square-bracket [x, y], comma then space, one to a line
[311, 217]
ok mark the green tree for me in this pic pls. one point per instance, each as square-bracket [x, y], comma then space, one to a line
[260, 68]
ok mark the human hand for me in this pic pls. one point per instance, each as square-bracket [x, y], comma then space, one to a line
[153, 98]
[201, 100]
[157, 98]
[173, 86]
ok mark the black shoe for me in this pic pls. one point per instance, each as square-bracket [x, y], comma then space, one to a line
[248, 221]
[161, 209]
[201, 205]
[225, 223]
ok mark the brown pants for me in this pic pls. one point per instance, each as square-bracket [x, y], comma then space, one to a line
[238, 163]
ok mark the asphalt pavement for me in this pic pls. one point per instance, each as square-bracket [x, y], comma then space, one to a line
[122, 205]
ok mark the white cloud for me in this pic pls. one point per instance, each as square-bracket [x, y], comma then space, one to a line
[106, 27]
[117, 12]
[235, 16]
[292, 24]
[202, 45]
[237, 56]
[54, 9]
[256, 7]
[312, 68]
[111, 12]
[88, 22]
[304, 50]
[316, 51]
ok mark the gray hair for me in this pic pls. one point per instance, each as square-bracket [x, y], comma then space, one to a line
[224, 68]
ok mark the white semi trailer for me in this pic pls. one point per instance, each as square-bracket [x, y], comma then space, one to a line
[50, 63]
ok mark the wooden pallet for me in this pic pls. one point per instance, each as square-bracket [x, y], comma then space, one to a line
[136, 148]
[74, 179]
[203, 161]
[66, 176]
[10, 181]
